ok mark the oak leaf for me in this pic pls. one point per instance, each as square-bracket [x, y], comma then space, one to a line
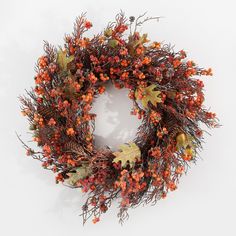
[133, 43]
[143, 39]
[81, 173]
[63, 60]
[128, 153]
[150, 95]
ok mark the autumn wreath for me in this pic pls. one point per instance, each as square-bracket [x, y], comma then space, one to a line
[167, 95]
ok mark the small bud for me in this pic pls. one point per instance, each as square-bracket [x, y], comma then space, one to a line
[131, 19]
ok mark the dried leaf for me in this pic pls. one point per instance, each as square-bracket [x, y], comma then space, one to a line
[81, 173]
[171, 94]
[63, 60]
[128, 152]
[150, 95]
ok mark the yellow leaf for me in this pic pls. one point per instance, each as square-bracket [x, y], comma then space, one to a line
[185, 141]
[128, 152]
[81, 173]
[150, 95]
[181, 140]
[63, 60]
[108, 32]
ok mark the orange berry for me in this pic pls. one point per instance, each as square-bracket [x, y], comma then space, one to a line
[70, 132]
[176, 63]
[87, 24]
[96, 219]
[51, 122]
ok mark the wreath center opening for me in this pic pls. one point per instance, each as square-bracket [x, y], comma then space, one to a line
[114, 124]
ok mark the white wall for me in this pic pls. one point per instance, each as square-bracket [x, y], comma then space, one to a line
[31, 204]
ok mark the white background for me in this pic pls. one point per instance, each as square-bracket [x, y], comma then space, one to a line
[31, 204]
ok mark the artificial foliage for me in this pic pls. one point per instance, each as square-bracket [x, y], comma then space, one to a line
[167, 95]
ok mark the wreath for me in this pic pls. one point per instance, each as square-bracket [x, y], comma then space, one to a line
[167, 95]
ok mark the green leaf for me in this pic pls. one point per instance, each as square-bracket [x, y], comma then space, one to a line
[113, 43]
[81, 173]
[63, 60]
[150, 95]
[128, 152]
